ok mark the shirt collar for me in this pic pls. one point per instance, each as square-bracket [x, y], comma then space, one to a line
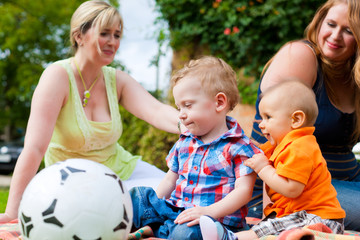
[235, 131]
[273, 151]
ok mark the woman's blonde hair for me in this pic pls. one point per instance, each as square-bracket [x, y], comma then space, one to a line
[215, 76]
[97, 14]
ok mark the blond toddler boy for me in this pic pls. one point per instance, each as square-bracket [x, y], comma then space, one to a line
[207, 175]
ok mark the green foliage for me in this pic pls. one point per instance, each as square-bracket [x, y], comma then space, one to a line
[32, 35]
[156, 145]
[142, 139]
[245, 33]
[248, 92]
[133, 130]
[4, 193]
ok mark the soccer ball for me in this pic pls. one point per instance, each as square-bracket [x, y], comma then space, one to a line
[75, 199]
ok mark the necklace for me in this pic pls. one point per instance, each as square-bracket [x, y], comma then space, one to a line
[87, 94]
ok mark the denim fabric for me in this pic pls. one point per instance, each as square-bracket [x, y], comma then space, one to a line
[256, 203]
[160, 215]
[348, 194]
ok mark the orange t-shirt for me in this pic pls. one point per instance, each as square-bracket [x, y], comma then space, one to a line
[298, 157]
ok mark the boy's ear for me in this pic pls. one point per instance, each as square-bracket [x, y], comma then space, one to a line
[297, 119]
[221, 101]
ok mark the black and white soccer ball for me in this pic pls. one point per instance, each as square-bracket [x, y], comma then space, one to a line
[75, 199]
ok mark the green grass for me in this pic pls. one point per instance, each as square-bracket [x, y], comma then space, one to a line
[4, 193]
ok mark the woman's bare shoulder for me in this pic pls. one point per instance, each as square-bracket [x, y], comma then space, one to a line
[293, 60]
[54, 72]
[297, 51]
[54, 83]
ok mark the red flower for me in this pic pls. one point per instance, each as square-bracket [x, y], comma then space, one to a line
[235, 29]
[218, 1]
[216, 4]
[227, 31]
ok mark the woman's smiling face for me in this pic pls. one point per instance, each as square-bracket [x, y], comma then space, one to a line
[335, 38]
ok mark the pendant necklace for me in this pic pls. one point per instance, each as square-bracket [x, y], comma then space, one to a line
[87, 94]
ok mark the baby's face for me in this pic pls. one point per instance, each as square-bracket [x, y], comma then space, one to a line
[276, 119]
[197, 109]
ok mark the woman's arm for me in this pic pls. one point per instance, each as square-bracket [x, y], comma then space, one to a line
[143, 105]
[293, 60]
[49, 96]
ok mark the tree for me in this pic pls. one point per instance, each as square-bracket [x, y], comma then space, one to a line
[33, 34]
[245, 33]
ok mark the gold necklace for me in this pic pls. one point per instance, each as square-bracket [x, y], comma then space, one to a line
[87, 94]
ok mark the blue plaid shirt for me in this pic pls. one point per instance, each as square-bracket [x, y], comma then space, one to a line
[207, 172]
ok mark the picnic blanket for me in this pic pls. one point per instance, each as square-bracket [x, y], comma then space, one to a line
[317, 231]
[11, 231]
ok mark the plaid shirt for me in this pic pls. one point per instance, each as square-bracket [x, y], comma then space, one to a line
[207, 172]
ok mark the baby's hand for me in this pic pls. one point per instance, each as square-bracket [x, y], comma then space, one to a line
[191, 215]
[257, 162]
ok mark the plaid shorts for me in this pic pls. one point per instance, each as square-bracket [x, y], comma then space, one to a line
[274, 226]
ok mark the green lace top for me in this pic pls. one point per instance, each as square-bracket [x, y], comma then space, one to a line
[77, 137]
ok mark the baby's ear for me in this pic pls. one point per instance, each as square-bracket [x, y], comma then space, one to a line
[298, 119]
[221, 101]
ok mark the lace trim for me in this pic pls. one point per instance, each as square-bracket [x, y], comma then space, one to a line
[92, 142]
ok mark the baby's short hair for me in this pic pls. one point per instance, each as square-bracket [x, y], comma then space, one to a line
[215, 76]
[295, 95]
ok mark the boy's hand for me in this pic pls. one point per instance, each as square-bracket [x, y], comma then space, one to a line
[257, 162]
[191, 215]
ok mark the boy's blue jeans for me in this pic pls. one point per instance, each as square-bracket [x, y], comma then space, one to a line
[160, 215]
[348, 194]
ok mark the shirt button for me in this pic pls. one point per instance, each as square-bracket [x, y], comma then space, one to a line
[186, 199]
[201, 148]
[191, 182]
[196, 168]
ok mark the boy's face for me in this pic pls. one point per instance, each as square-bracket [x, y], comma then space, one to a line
[276, 119]
[197, 109]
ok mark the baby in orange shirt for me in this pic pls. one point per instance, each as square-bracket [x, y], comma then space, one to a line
[293, 169]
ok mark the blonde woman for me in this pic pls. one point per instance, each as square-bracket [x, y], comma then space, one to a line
[74, 109]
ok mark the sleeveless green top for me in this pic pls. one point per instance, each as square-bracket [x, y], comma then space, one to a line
[75, 136]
